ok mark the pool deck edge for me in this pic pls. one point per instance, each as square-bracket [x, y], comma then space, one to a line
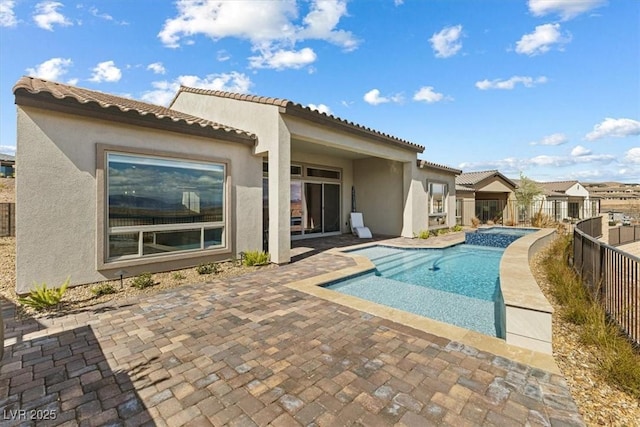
[496, 346]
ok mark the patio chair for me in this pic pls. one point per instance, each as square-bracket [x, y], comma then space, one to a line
[357, 226]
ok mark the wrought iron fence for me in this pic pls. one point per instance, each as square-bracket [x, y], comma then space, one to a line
[612, 276]
[538, 213]
[7, 219]
[623, 235]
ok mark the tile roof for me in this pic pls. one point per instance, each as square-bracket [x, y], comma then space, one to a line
[299, 110]
[472, 178]
[558, 186]
[112, 103]
[426, 164]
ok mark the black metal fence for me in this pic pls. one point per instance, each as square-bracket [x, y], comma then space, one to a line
[623, 235]
[539, 213]
[7, 219]
[612, 276]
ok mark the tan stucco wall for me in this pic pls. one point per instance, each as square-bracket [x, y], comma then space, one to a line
[379, 194]
[56, 193]
[494, 185]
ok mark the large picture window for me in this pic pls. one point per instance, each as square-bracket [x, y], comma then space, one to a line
[437, 204]
[158, 205]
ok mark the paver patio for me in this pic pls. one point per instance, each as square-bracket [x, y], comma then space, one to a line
[250, 351]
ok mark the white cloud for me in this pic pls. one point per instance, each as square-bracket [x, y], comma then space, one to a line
[514, 165]
[633, 156]
[106, 72]
[428, 95]
[272, 28]
[8, 149]
[7, 15]
[510, 83]
[95, 12]
[447, 43]
[373, 97]
[553, 139]
[73, 82]
[320, 107]
[223, 55]
[282, 59]
[164, 91]
[398, 2]
[51, 69]
[542, 39]
[619, 128]
[47, 15]
[157, 68]
[579, 150]
[567, 9]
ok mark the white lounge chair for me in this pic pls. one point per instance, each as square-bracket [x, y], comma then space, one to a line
[357, 226]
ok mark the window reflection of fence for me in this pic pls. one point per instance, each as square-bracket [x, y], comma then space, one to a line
[7, 219]
[624, 234]
[612, 276]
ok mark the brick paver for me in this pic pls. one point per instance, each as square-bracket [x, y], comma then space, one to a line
[250, 351]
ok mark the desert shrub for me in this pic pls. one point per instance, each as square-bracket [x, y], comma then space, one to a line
[541, 220]
[456, 228]
[256, 258]
[42, 297]
[103, 289]
[475, 222]
[423, 234]
[208, 268]
[510, 223]
[142, 281]
[618, 362]
[491, 222]
[178, 276]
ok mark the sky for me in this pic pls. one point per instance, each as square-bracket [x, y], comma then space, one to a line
[546, 88]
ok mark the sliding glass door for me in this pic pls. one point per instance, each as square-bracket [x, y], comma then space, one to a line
[322, 208]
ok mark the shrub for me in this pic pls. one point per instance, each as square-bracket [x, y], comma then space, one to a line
[178, 276]
[618, 361]
[423, 234]
[475, 222]
[256, 258]
[456, 228]
[612, 223]
[103, 289]
[142, 281]
[208, 268]
[42, 297]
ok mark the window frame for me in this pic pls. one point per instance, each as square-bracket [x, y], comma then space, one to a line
[437, 219]
[104, 260]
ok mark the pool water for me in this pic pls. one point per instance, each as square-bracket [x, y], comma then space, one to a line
[457, 285]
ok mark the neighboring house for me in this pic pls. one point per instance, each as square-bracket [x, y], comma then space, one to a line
[110, 184]
[567, 200]
[486, 195]
[7, 165]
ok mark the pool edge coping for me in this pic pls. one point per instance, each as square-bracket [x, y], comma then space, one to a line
[313, 286]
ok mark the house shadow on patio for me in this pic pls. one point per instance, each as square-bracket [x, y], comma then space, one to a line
[301, 249]
[52, 378]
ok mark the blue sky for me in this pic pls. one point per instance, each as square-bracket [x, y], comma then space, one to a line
[547, 87]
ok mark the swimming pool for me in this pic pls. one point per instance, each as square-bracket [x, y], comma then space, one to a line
[457, 285]
[499, 237]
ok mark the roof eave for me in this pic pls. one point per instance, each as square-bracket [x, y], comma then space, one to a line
[322, 119]
[92, 109]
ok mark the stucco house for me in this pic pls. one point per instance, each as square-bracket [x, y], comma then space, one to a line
[486, 195]
[563, 200]
[110, 184]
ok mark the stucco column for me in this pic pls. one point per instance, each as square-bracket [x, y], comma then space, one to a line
[280, 197]
[415, 206]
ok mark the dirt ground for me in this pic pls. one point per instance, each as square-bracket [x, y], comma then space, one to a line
[7, 190]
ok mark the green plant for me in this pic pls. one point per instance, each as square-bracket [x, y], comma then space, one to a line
[208, 268]
[142, 281]
[456, 228]
[423, 234]
[42, 297]
[103, 289]
[178, 276]
[255, 258]
[618, 362]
